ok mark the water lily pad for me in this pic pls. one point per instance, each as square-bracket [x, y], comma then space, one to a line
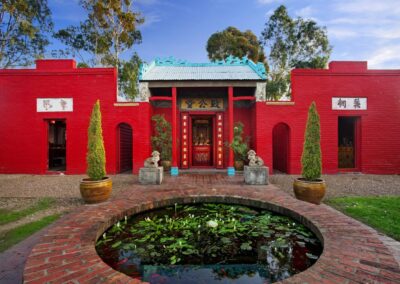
[246, 246]
[301, 244]
[311, 256]
[116, 244]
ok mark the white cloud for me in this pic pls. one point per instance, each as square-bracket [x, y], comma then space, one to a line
[365, 32]
[265, 2]
[385, 57]
[269, 13]
[391, 33]
[305, 12]
[391, 7]
[360, 20]
[150, 19]
[341, 33]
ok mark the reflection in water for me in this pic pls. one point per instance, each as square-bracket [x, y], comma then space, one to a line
[209, 243]
[205, 274]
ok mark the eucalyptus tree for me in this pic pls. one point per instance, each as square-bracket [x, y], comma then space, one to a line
[292, 43]
[24, 25]
[111, 29]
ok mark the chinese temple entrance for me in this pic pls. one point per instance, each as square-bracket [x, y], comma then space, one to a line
[56, 145]
[202, 142]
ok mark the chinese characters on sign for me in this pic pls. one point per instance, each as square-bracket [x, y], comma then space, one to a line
[349, 103]
[54, 105]
[202, 103]
[185, 141]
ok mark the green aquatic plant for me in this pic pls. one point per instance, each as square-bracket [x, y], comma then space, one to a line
[209, 233]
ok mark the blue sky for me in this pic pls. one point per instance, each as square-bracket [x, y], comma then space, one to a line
[357, 29]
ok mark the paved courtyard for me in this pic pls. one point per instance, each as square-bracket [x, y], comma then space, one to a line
[352, 252]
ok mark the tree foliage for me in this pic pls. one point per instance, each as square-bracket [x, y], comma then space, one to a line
[292, 43]
[311, 157]
[232, 41]
[108, 32]
[24, 24]
[239, 145]
[128, 76]
[96, 156]
[162, 139]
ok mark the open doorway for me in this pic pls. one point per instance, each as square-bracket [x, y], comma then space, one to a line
[280, 148]
[57, 143]
[348, 131]
[202, 141]
[124, 148]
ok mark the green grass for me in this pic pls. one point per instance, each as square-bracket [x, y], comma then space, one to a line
[8, 216]
[20, 233]
[381, 213]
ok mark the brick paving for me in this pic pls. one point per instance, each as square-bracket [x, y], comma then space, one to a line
[353, 253]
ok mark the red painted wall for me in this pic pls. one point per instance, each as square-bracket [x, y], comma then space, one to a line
[23, 131]
[380, 127]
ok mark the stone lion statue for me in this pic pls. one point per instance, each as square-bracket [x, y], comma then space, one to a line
[152, 162]
[254, 160]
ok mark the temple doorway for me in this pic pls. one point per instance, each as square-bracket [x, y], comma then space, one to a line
[348, 132]
[57, 143]
[202, 141]
[124, 148]
[280, 144]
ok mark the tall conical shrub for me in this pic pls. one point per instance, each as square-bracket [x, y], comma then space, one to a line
[311, 158]
[96, 157]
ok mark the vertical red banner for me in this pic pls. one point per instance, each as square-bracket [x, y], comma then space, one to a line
[185, 140]
[219, 141]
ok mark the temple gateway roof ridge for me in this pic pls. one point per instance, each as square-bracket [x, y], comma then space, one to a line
[172, 69]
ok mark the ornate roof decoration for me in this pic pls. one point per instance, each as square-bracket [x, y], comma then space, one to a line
[195, 72]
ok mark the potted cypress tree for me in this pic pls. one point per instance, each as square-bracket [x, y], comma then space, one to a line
[97, 188]
[310, 187]
[162, 140]
[239, 146]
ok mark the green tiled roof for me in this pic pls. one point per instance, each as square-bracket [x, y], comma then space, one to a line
[230, 69]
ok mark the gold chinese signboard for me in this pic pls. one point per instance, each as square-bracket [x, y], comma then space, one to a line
[202, 104]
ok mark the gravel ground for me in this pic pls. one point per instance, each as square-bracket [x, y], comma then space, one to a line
[56, 186]
[348, 184]
[65, 188]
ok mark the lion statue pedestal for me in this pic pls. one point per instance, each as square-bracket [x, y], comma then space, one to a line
[151, 173]
[255, 173]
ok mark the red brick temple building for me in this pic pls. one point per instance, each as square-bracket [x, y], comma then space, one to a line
[45, 115]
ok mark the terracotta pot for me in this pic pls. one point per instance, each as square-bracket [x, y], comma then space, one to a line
[238, 165]
[95, 191]
[166, 165]
[309, 191]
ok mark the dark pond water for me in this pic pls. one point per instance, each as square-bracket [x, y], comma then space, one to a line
[209, 243]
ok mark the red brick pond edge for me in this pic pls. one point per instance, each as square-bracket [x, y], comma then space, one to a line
[352, 252]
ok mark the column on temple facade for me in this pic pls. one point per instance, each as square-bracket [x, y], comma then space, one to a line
[174, 167]
[231, 169]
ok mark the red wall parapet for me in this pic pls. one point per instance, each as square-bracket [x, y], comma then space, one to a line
[51, 64]
[348, 66]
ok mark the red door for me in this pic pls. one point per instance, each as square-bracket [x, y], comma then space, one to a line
[125, 148]
[280, 137]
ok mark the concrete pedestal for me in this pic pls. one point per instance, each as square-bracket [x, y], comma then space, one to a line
[256, 175]
[151, 175]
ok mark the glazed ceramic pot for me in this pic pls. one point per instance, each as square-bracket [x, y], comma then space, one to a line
[166, 165]
[95, 191]
[309, 191]
[238, 165]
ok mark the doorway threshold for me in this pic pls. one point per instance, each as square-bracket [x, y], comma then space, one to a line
[202, 171]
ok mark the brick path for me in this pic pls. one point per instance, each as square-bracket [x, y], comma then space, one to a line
[353, 253]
